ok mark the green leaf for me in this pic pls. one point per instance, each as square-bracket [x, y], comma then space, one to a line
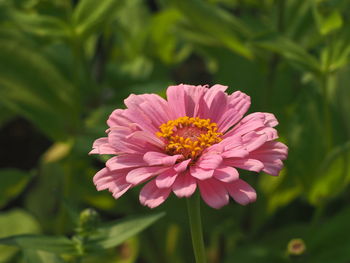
[329, 241]
[36, 256]
[89, 15]
[115, 233]
[53, 244]
[217, 23]
[294, 53]
[279, 191]
[12, 223]
[333, 176]
[41, 25]
[327, 23]
[13, 182]
[32, 86]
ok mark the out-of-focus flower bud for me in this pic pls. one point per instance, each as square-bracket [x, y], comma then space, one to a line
[296, 247]
[88, 220]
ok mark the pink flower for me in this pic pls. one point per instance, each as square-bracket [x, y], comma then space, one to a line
[196, 138]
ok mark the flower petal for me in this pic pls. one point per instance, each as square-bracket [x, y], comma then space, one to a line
[151, 105]
[246, 164]
[184, 185]
[211, 93]
[200, 173]
[218, 107]
[152, 196]
[241, 192]
[209, 161]
[182, 166]
[183, 100]
[226, 174]
[158, 158]
[213, 193]
[228, 119]
[271, 155]
[139, 175]
[253, 140]
[166, 178]
[114, 182]
[240, 102]
[118, 119]
[125, 162]
[101, 146]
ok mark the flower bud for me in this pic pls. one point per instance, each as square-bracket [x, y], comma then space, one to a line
[88, 220]
[296, 247]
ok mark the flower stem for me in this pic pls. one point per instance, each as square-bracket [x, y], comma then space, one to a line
[194, 214]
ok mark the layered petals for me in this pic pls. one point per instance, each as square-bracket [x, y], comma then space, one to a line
[197, 137]
[213, 193]
[152, 196]
[241, 192]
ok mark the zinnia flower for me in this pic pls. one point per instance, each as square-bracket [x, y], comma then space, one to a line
[196, 138]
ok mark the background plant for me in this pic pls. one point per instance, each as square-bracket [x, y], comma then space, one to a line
[66, 64]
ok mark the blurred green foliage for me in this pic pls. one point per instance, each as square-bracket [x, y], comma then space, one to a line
[66, 64]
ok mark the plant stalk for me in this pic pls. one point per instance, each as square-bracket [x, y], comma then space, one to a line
[193, 207]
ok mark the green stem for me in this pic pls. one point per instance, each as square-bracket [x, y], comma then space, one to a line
[194, 214]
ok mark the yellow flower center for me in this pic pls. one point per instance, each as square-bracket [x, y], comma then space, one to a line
[189, 136]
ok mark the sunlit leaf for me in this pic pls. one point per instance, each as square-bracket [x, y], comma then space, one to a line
[53, 244]
[333, 176]
[15, 222]
[36, 256]
[294, 53]
[12, 184]
[89, 15]
[217, 23]
[32, 86]
[114, 233]
[329, 22]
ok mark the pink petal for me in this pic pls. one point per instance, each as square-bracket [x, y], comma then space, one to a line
[182, 166]
[183, 100]
[271, 155]
[211, 93]
[152, 196]
[139, 175]
[166, 178]
[115, 183]
[246, 164]
[249, 123]
[125, 162]
[228, 119]
[145, 138]
[241, 192]
[117, 119]
[218, 107]
[213, 193]
[176, 100]
[226, 174]
[184, 185]
[240, 102]
[152, 105]
[157, 158]
[271, 133]
[101, 146]
[209, 161]
[195, 94]
[143, 120]
[270, 120]
[253, 140]
[200, 173]
[117, 139]
[235, 153]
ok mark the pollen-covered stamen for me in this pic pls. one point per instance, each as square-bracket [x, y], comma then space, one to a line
[189, 136]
